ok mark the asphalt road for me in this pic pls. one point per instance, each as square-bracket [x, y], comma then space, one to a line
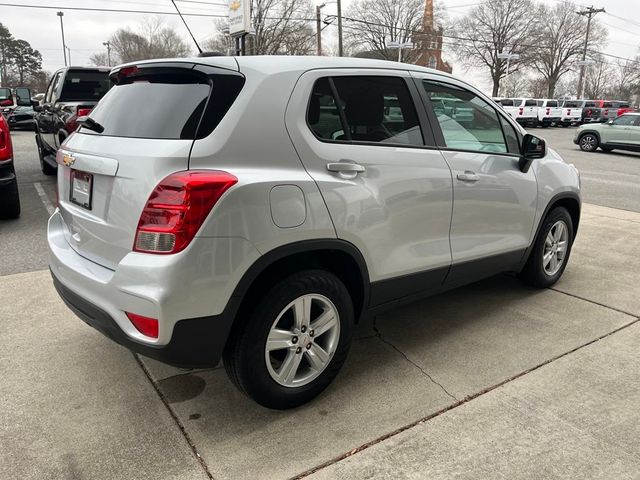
[611, 180]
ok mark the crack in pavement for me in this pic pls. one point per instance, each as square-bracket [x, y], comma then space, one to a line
[459, 403]
[176, 419]
[424, 372]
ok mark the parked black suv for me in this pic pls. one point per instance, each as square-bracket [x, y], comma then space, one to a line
[72, 92]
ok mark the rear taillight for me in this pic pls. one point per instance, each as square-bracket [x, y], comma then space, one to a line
[176, 209]
[548, 111]
[589, 112]
[145, 325]
[569, 111]
[521, 111]
[606, 113]
[83, 112]
[71, 125]
[6, 147]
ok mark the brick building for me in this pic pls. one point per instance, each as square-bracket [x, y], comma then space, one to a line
[428, 43]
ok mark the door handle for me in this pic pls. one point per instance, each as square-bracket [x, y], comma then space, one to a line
[345, 167]
[468, 176]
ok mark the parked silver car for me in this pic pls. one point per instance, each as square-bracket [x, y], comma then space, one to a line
[255, 208]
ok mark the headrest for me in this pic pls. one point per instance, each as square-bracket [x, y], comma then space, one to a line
[314, 110]
[365, 108]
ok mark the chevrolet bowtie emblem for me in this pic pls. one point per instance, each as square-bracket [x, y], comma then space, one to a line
[234, 6]
[68, 159]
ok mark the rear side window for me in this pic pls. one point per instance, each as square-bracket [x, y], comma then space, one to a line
[166, 105]
[373, 109]
[506, 102]
[84, 85]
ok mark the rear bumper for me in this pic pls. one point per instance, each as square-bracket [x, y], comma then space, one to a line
[195, 343]
[527, 120]
[192, 299]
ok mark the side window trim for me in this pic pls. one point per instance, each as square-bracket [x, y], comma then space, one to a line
[437, 130]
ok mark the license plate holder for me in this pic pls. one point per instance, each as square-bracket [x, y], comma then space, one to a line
[81, 188]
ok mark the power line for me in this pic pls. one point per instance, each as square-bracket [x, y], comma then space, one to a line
[111, 10]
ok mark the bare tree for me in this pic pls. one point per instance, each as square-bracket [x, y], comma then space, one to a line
[515, 85]
[494, 27]
[281, 27]
[597, 78]
[151, 40]
[625, 78]
[559, 41]
[100, 59]
[373, 23]
[537, 87]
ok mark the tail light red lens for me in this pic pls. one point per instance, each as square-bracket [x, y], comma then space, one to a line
[176, 209]
[521, 111]
[145, 325]
[589, 112]
[83, 111]
[6, 147]
[548, 111]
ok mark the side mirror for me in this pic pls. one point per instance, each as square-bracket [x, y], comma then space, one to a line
[533, 148]
[23, 96]
[610, 122]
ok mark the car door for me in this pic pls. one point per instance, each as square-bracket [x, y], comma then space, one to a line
[620, 130]
[494, 202]
[46, 117]
[634, 133]
[387, 188]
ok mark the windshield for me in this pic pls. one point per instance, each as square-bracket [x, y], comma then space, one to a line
[5, 94]
[80, 85]
[166, 105]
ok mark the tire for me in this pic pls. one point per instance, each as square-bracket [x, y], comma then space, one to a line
[539, 272]
[588, 142]
[10, 201]
[261, 374]
[44, 166]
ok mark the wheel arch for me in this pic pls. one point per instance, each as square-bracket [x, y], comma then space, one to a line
[339, 257]
[569, 200]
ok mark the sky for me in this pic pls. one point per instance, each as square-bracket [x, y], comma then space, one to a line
[86, 31]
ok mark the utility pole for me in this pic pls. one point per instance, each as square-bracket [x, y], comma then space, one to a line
[319, 29]
[340, 49]
[589, 12]
[64, 46]
[108, 45]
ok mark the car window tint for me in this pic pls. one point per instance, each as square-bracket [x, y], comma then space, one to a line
[540, 103]
[472, 125]
[552, 103]
[637, 120]
[530, 103]
[378, 109]
[590, 104]
[323, 116]
[5, 94]
[510, 135]
[165, 105]
[571, 105]
[84, 85]
[53, 86]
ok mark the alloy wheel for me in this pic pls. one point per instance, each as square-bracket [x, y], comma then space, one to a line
[302, 340]
[555, 248]
[588, 143]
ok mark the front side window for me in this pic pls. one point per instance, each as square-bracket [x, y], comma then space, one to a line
[467, 121]
[625, 120]
[367, 109]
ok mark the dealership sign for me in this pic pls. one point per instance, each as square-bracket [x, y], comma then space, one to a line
[239, 17]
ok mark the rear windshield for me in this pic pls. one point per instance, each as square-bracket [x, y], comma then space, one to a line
[571, 105]
[5, 94]
[167, 105]
[530, 103]
[607, 105]
[506, 102]
[590, 104]
[552, 103]
[84, 86]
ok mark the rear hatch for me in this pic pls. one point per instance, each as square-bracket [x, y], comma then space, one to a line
[148, 121]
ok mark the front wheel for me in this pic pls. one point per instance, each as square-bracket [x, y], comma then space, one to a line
[588, 142]
[294, 341]
[551, 250]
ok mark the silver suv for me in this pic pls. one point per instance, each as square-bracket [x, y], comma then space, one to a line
[254, 209]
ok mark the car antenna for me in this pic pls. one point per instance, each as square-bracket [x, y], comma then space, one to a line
[188, 29]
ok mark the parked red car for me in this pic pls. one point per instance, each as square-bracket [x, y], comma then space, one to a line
[9, 198]
[611, 109]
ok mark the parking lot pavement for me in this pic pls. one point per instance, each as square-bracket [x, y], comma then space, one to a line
[72, 405]
[492, 380]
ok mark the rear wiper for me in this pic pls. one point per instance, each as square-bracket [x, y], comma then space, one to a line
[90, 123]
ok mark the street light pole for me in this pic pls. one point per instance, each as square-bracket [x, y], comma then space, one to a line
[340, 49]
[64, 46]
[399, 46]
[108, 45]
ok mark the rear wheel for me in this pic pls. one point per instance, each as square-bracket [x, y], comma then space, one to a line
[588, 142]
[10, 201]
[294, 341]
[551, 250]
